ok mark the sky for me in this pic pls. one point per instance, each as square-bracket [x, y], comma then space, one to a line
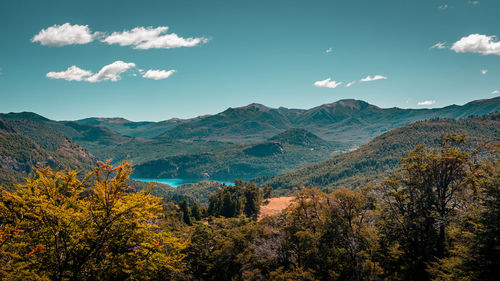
[155, 60]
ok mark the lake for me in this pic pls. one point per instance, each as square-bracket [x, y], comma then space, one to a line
[177, 182]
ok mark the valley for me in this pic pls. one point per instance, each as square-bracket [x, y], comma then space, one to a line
[251, 142]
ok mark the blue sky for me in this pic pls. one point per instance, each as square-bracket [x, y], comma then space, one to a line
[278, 53]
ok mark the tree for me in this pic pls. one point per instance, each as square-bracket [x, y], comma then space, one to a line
[195, 211]
[61, 228]
[475, 251]
[186, 215]
[252, 200]
[268, 192]
[419, 202]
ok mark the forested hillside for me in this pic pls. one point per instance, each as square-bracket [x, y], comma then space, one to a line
[292, 149]
[26, 144]
[380, 156]
[233, 140]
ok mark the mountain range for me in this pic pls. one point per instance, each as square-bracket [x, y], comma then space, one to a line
[253, 141]
[348, 121]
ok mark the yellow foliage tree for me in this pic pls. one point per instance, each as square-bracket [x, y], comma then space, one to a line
[58, 227]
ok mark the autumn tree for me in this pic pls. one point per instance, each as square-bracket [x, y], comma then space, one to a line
[59, 227]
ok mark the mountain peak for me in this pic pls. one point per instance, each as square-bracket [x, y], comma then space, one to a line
[23, 116]
[350, 103]
[99, 120]
[255, 107]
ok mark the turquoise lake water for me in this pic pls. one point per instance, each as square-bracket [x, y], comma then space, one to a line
[176, 182]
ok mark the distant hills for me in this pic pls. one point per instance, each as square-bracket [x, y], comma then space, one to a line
[286, 151]
[134, 129]
[348, 121]
[380, 156]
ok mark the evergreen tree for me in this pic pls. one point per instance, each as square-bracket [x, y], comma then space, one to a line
[252, 200]
[195, 211]
[186, 215]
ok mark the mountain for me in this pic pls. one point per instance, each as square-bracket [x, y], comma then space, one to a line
[134, 129]
[25, 144]
[251, 123]
[286, 151]
[380, 156]
[347, 121]
[79, 132]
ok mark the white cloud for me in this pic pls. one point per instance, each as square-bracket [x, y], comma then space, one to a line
[158, 74]
[374, 78]
[329, 50]
[349, 84]
[73, 73]
[327, 83]
[134, 36]
[111, 71]
[495, 92]
[151, 38]
[474, 2]
[439, 45]
[477, 43]
[66, 34]
[484, 71]
[443, 7]
[427, 102]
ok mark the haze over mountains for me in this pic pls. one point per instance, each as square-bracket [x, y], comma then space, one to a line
[245, 142]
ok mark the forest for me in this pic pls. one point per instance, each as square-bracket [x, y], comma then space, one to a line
[436, 217]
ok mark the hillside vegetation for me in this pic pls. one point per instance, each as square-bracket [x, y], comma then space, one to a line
[25, 144]
[289, 150]
[380, 156]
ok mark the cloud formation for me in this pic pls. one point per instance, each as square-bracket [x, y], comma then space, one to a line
[477, 43]
[349, 84]
[427, 102]
[439, 45]
[495, 92]
[66, 34]
[144, 38]
[374, 78]
[327, 83]
[329, 50]
[108, 72]
[484, 71]
[443, 7]
[73, 73]
[111, 71]
[158, 74]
